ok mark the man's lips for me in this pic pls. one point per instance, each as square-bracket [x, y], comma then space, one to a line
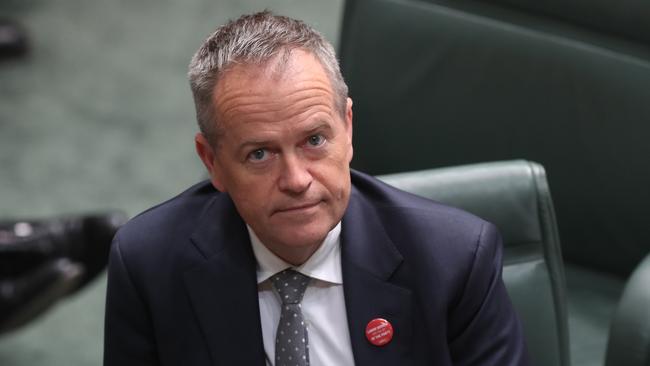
[298, 207]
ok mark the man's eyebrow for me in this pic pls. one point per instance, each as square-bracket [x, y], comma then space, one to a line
[253, 143]
[318, 126]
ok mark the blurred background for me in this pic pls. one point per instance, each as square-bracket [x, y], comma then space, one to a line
[98, 115]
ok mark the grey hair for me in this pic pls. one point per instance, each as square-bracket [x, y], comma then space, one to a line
[255, 39]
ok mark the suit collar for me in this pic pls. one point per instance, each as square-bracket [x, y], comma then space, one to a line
[222, 286]
[369, 260]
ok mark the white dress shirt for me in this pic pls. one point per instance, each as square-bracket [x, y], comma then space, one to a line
[323, 305]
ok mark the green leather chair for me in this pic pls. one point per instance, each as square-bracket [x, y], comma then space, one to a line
[629, 336]
[515, 197]
[565, 83]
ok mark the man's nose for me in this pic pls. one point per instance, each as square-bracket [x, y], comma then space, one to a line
[295, 177]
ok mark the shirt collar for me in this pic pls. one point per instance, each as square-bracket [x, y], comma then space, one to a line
[324, 264]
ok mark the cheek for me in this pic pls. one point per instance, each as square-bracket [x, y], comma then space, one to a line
[338, 183]
[344, 192]
[244, 194]
[250, 209]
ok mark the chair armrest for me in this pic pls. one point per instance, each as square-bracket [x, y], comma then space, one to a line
[629, 335]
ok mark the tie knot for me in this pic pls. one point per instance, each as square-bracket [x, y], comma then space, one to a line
[290, 285]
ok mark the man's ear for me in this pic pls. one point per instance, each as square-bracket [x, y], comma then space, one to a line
[348, 126]
[208, 157]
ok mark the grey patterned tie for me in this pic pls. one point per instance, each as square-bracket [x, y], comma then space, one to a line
[291, 342]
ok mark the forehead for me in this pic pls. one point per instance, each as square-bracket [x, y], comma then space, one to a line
[281, 86]
[287, 67]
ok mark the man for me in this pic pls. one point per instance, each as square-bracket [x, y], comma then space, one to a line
[288, 257]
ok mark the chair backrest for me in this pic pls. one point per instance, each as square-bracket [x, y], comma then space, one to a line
[448, 82]
[513, 195]
[629, 336]
[622, 18]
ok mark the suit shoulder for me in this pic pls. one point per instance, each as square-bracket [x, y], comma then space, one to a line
[168, 219]
[419, 227]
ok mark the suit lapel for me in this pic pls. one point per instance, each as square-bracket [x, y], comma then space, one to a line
[223, 287]
[369, 259]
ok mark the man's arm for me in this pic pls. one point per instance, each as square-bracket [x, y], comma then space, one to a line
[128, 332]
[484, 328]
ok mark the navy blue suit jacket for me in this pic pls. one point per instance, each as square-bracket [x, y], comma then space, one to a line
[182, 286]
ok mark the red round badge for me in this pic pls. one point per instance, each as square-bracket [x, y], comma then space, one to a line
[379, 332]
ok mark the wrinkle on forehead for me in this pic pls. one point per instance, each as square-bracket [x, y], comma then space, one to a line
[280, 66]
[260, 91]
[247, 103]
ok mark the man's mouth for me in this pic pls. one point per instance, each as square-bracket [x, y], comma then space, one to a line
[298, 207]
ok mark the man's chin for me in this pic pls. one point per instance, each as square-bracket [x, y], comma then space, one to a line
[298, 234]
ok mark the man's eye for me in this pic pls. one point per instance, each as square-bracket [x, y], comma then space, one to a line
[258, 155]
[316, 140]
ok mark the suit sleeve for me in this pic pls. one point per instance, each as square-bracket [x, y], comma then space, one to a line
[484, 328]
[128, 330]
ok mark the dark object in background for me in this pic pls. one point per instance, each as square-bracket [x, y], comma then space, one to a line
[44, 260]
[14, 42]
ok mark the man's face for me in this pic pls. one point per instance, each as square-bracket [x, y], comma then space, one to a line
[284, 153]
